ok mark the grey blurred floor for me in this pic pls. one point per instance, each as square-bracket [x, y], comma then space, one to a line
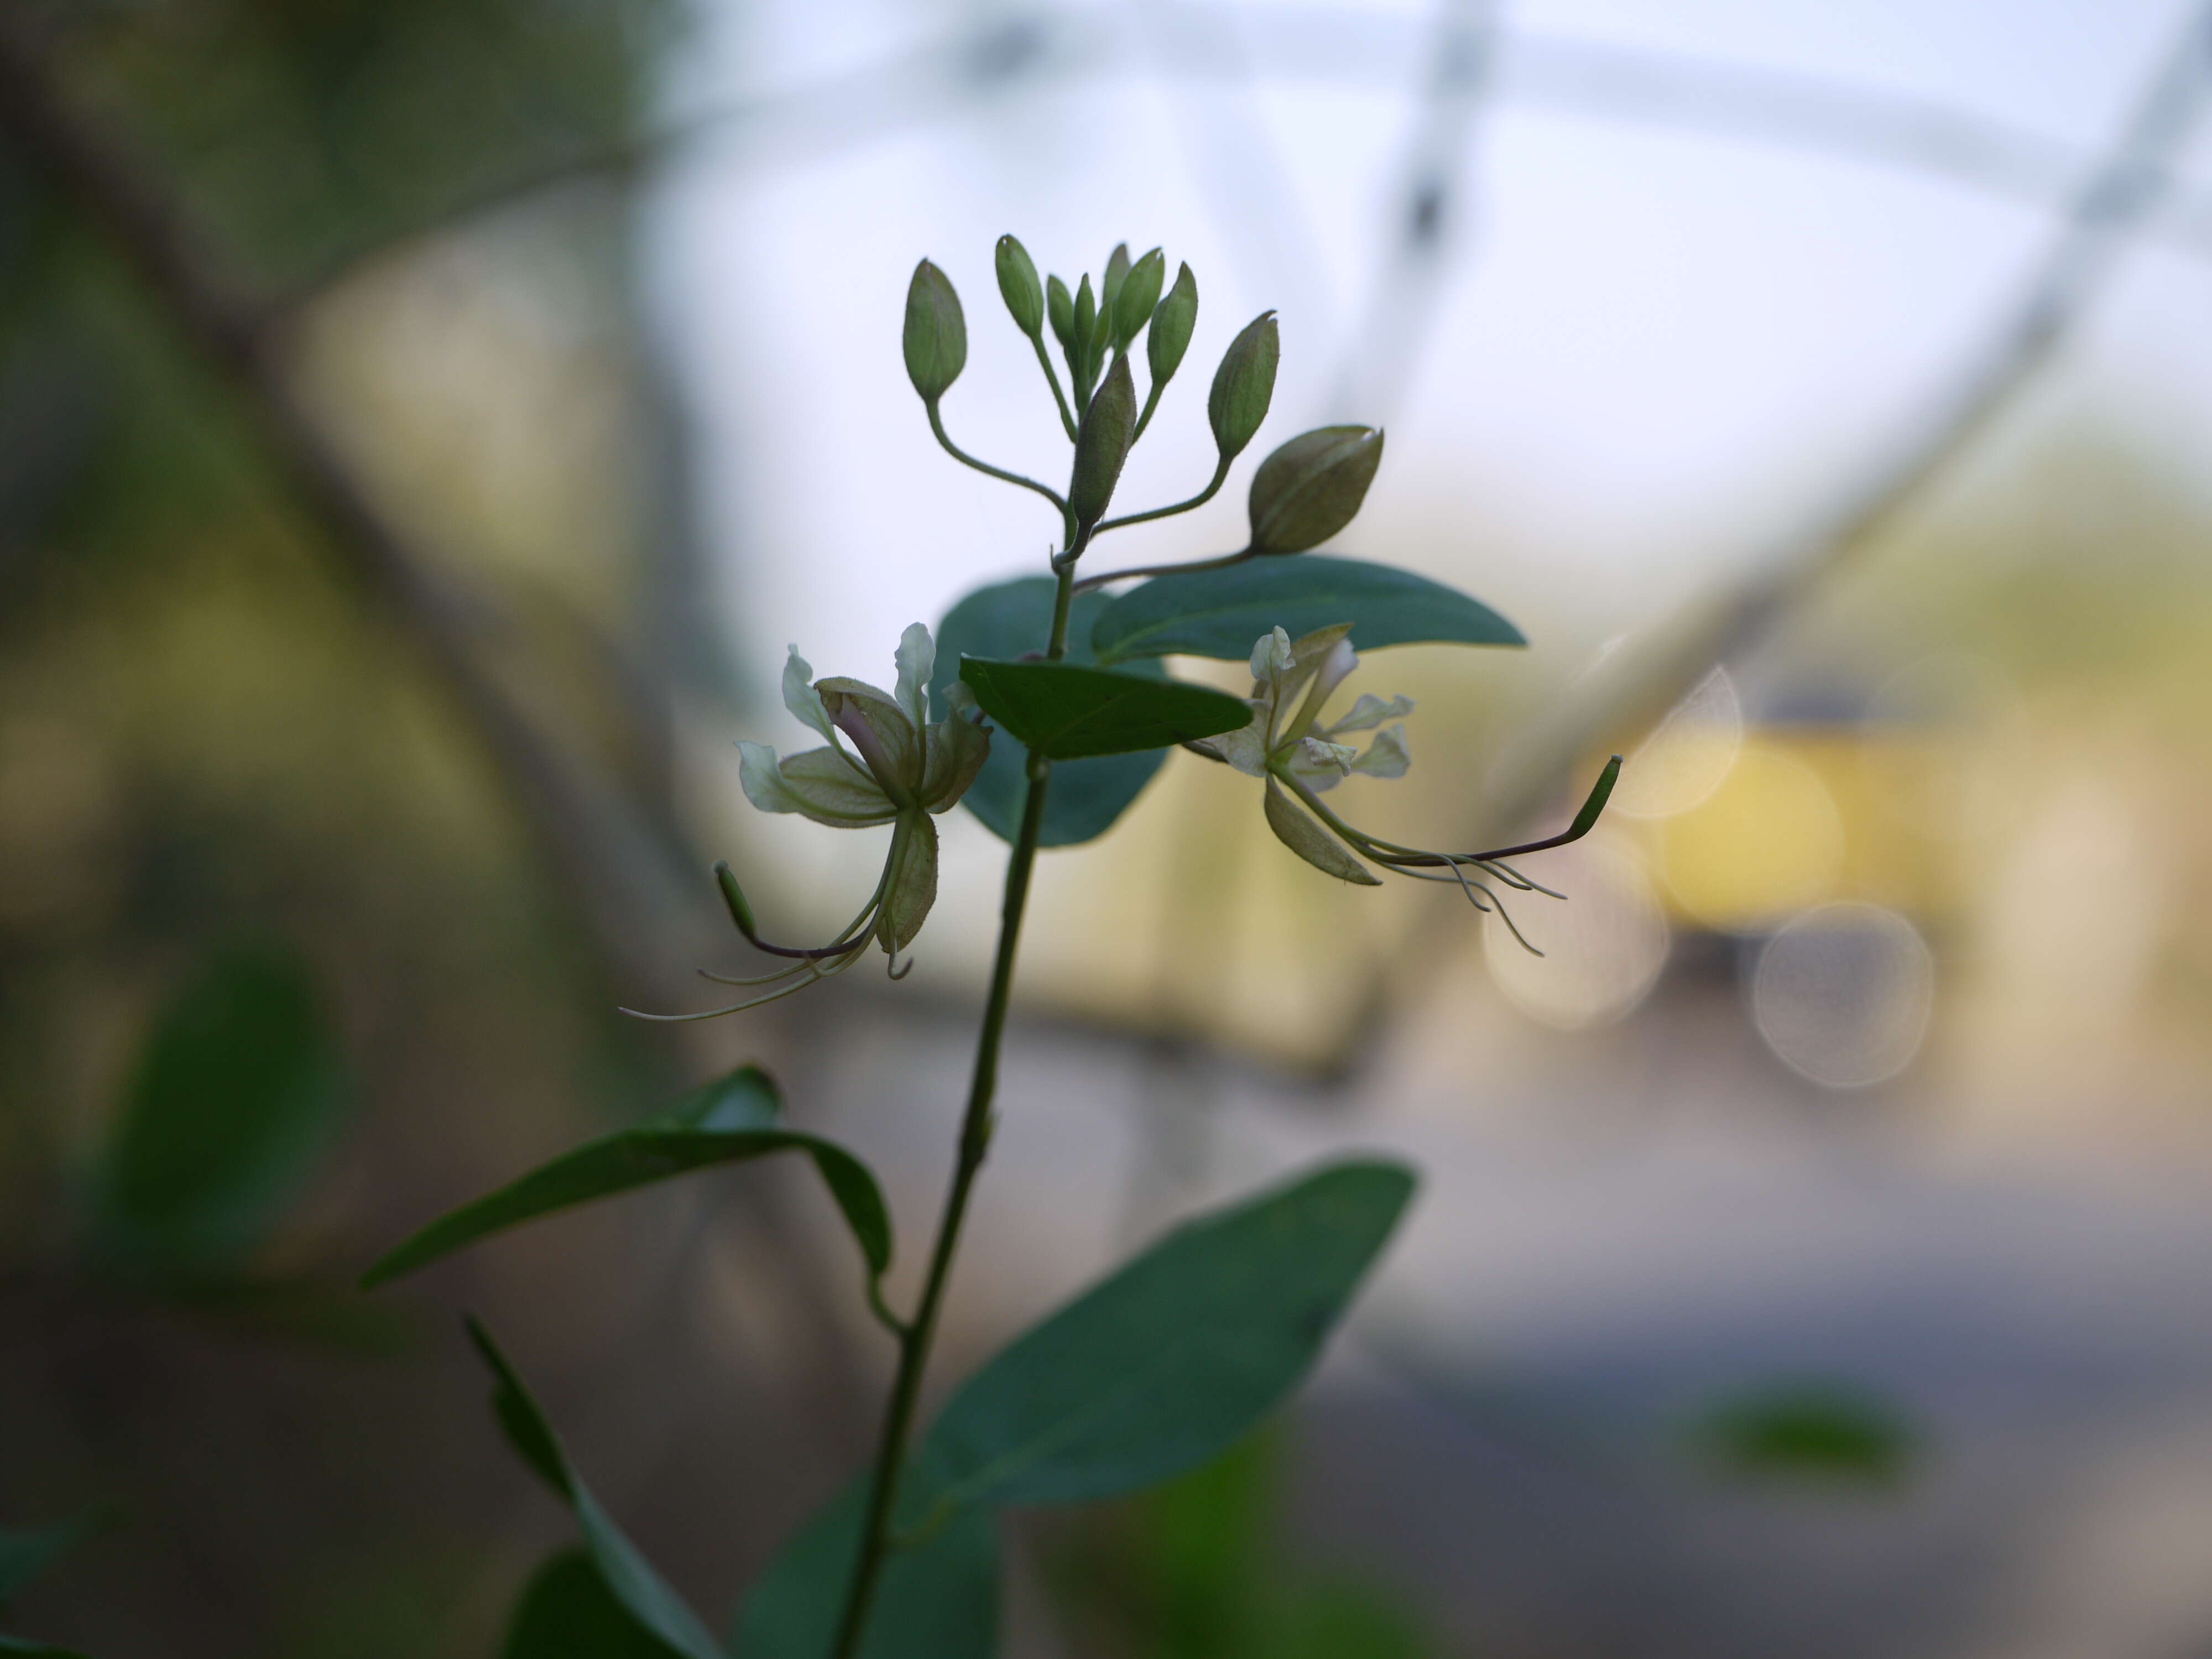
[1497, 1434]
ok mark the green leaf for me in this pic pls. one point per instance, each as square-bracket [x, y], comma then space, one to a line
[1004, 621]
[1065, 712]
[937, 1596]
[726, 1121]
[1173, 1359]
[1819, 1430]
[25, 1553]
[629, 1577]
[240, 1091]
[30, 1650]
[567, 1612]
[1219, 613]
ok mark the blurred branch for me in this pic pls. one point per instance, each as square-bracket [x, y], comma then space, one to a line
[580, 826]
[2072, 276]
[1335, 46]
[1433, 201]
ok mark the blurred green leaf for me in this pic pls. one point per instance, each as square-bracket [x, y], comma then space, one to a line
[1819, 1432]
[25, 1553]
[1003, 621]
[1067, 713]
[1174, 1357]
[1219, 613]
[567, 1612]
[629, 1577]
[31, 1650]
[939, 1596]
[725, 1122]
[240, 1091]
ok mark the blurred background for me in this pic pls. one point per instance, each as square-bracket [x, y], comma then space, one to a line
[423, 423]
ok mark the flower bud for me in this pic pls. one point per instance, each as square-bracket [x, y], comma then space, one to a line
[936, 333]
[1117, 272]
[1173, 318]
[1019, 287]
[1060, 307]
[1102, 444]
[1140, 293]
[1086, 367]
[1312, 486]
[734, 896]
[1244, 385]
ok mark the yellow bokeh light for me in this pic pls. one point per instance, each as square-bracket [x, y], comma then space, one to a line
[1767, 843]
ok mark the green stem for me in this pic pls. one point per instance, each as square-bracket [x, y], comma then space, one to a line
[937, 425]
[1200, 499]
[1105, 577]
[1059, 397]
[975, 1129]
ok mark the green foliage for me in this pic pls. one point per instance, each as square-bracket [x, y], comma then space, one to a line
[240, 1091]
[1244, 386]
[1174, 1356]
[729, 1120]
[936, 337]
[1312, 486]
[567, 1612]
[939, 1594]
[29, 1650]
[1824, 1432]
[1066, 712]
[1003, 621]
[25, 1553]
[1219, 613]
[627, 1575]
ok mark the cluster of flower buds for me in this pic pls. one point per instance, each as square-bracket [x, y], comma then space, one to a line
[1302, 757]
[900, 770]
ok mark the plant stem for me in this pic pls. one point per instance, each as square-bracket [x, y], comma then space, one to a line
[976, 1128]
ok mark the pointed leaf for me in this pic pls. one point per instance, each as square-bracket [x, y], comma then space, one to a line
[1066, 712]
[938, 1597]
[727, 1121]
[238, 1093]
[629, 1577]
[1219, 613]
[567, 1612]
[1174, 1357]
[1004, 621]
[1298, 831]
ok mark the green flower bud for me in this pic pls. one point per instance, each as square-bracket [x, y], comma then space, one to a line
[1244, 385]
[1084, 367]
[1172, 322]
[1102, 444]
[1139, 292]
[1060, 307]
[1117, 272]
[1312, 486]
[936, 333]
[734, 896]
[1019, 287]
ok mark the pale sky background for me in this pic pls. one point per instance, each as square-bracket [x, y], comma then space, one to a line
[1654, 348]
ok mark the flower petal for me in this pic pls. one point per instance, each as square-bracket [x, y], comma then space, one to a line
[1370, 712]
[888, 742]
[954, 750]
[1388, 757]
[822, 784]
[802, 699]
[916, 656]
[1305, 837]
[912, 887]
